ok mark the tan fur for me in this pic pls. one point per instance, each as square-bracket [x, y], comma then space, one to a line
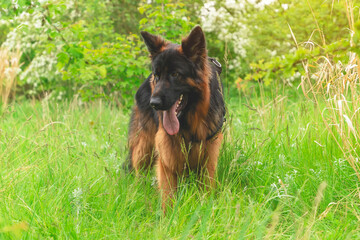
[179, 49]
[176, 156]
[152, 83]
[142, 152]
[141, 142]
[198, 117]
[212, 151]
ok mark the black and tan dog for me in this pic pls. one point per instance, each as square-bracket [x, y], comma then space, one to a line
[179, 112]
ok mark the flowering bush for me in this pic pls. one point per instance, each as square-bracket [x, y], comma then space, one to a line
[229, 21]
[76, 47]
[266, 38]
[30, 35]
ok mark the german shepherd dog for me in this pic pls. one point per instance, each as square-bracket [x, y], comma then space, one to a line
[179, 112]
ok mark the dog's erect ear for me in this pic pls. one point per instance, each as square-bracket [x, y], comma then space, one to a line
[154, 43]
[194, 46]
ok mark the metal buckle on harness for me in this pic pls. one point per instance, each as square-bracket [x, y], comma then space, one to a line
[216, 62]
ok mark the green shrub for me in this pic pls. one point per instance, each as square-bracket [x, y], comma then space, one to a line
[78, 47]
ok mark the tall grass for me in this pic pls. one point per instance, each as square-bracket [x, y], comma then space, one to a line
[341, 114]
[9, 69]
[61, 177]
[337, 85]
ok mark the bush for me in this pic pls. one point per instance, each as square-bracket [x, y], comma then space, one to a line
[260, 35]
[79, 48]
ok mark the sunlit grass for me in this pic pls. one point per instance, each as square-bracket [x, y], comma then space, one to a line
[281, 175]
[9, 69]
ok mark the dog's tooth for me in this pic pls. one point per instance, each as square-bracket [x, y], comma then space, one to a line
[181, 96]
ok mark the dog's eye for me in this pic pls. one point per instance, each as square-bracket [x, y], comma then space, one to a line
[175, 74]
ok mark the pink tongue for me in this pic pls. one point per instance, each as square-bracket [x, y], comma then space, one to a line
[170, 121]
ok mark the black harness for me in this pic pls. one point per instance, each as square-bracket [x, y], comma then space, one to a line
[220, 124]
[218, 130]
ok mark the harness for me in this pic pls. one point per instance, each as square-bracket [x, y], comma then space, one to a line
[217, 65]
[213, 135]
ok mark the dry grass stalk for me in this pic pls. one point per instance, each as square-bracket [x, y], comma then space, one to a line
[9, 69]
[342, 115]
[312, 220]
[338, 85]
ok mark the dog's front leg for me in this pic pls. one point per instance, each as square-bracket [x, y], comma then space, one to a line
[167, 182]
[212, 150]
[168, 166]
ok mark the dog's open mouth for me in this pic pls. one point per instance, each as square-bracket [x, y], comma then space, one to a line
[171, 116]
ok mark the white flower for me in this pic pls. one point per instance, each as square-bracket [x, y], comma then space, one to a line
[77, 193]
[285, 6]
[154, 181]
[78, 203]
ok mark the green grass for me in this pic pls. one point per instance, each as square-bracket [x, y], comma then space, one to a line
[280, 176]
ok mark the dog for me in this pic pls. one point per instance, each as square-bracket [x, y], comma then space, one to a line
[179, 113]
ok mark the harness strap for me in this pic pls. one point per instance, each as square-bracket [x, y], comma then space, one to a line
[214, 134]
[217, 65]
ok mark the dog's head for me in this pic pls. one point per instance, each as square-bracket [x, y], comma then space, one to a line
[178, 75]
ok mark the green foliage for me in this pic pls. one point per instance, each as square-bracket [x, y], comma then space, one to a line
[93, 48]
[330, 40]
[118, 68]
[268, 40]
[287, 66]
[80, 47]
[111, 69]
[126, 16]
[167, 18]
[317, 22]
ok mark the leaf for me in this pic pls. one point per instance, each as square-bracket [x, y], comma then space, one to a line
[142, 9]
[143, 21]
[53, 34]
[62, 58]
[130, 73]
[76, 52]
[102, 71]
[50, 47]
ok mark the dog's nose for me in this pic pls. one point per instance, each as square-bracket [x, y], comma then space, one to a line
[155, 102]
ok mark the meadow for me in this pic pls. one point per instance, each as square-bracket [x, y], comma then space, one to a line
[281, 175]
[289, 164]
